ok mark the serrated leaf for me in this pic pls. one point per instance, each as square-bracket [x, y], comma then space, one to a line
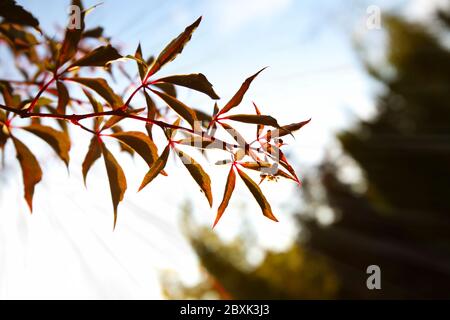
[258, 166]
[7, 92]
[99, 57]
[277, 155]
[202, 143]
[141, 64]
[59, 141]
[239, 155]
[179, 107]
[259, 196]
[195, 81]
[100, 86]
[113, 120]
[167, 88]
[171, 132]
[215, 109]
[62, 123]
[42, 101]
[223, 162]
[174, 48]
[4, 135]
[256, 108]
[97, 108]
[140, 143]
[283, 174]
[20, 39]
[151, 113]
[2, 116]
[156, 168]
[289, 168]
[255, 165]
[96, 32]
[202, 116]
[235, 134]
[36, 120]
[229, 188]
[14, 13]
[93, 154]
[199, 175]
[260, 127]
[63, 97]
[255, 119]
[71, 38]
[288, 129]
[117, 180]
[239, 95]
[31, 170]
[123, 147]
[150, 60]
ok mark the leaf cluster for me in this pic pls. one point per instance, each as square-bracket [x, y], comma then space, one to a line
[53, 68]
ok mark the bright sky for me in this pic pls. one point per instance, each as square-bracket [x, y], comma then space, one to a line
[67, 249]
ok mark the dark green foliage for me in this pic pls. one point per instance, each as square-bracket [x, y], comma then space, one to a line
[402, 221]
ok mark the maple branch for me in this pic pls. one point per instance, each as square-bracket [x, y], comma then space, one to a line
[23, 99]
[75, 118]
[13, 110]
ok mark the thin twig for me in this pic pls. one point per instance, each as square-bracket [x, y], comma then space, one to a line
[75, 118]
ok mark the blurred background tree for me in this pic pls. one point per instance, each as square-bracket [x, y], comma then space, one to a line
[399, 221]
[229, 274]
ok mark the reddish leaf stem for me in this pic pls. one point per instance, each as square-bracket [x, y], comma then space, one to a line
[41, 91]
[75, 118]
